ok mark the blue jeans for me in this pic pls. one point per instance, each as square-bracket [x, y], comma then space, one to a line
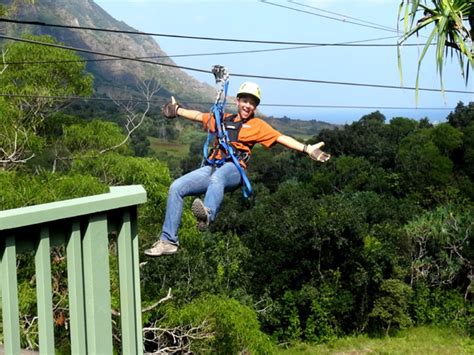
[211, 181]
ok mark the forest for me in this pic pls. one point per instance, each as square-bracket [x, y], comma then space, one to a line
[377, 240]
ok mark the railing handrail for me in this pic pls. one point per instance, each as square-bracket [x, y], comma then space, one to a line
[118, 197]
[83, 225]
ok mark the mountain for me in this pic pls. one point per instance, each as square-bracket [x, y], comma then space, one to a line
[110, 76]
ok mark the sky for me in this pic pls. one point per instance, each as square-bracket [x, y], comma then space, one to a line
[308, 21]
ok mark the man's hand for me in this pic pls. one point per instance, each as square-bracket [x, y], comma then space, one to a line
[170, 110]
[316, 153]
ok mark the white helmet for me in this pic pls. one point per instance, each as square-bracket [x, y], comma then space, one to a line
[250, 88]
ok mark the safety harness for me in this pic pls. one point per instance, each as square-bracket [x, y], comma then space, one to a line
[225, 132]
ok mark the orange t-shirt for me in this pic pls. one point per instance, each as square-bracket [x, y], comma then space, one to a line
[253, 131]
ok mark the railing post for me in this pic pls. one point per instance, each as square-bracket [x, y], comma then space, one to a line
[129, 293]
[97, 286]
[44, 293]
[75, 275]
[136, 268]
[11, 323]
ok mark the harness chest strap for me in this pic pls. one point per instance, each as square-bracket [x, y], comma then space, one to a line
[224, 143]
[222, 79]
[233, 129]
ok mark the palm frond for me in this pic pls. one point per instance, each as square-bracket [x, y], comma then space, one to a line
[448, 20]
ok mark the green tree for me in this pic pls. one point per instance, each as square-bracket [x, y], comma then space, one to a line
[315, 313]
[370, 138]
[209, 324]
[33, 91]
[21, 189]
[391, 308]
[468, 163]
[367, 138]
[348, 173]
[442, 253]
[462, 116]
[140, 143]
[400, 127]
[18, 143]
[447, 138]
[92, 137]
[289, 327]
[442, 307]
[422, 164]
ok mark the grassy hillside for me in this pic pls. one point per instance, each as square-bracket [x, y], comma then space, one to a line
[420, 341]
[303, 129]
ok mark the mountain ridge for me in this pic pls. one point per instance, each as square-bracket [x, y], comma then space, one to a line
[112, 76]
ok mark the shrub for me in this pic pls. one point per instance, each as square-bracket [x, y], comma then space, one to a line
[391, 308]
[210, 324]
[441, 307]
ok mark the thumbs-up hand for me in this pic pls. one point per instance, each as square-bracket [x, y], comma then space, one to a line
[170, 110]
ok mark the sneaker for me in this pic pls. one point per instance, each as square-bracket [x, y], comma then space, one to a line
[201, 213]
[161, 247]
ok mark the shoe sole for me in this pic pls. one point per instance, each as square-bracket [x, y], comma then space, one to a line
[163, 253]
[166, 253]
[201, 214]
[199, 210]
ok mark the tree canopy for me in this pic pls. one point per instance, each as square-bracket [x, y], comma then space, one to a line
[376, 240]
[33, 92]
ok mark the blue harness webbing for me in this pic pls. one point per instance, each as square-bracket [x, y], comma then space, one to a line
[220, 133]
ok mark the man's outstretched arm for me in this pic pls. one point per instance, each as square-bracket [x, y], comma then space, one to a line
[313, 150]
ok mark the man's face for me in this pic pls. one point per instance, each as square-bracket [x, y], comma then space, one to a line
[246, 105]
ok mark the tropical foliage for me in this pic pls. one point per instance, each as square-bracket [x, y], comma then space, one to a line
[377, 240]
[32, 94]
[451, 23]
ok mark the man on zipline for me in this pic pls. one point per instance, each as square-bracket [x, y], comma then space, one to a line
[220, 172]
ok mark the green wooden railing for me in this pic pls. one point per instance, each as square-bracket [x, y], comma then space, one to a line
[83, 226]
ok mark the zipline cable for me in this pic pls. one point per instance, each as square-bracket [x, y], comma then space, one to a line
[379, 86]
[359, 43]
[344, 17]
[98, 29]
[161, 101]
[328, 17]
